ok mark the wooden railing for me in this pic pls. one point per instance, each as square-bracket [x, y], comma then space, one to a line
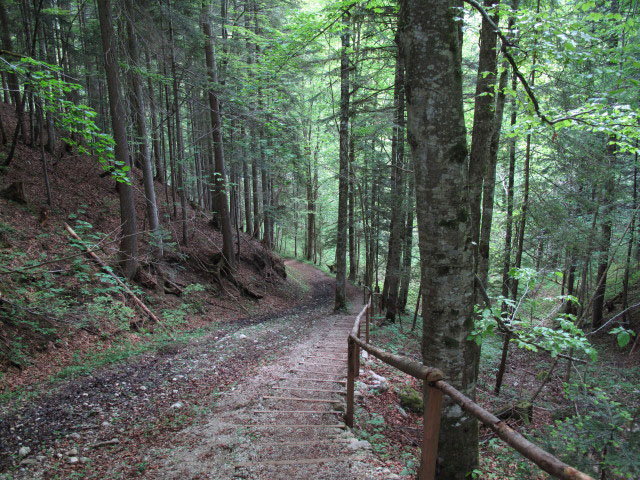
[434, 387]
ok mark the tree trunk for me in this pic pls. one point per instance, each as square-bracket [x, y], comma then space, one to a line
[632, 228]
[353, 270]
[179, 160]
[483, 127]
[605, 240]
[128, 244]
[488, 189]
[432, 40]
[343, 179]
[155, 136]
[138, 111]
[246, 181]
[221, 201]
[311, 214]
[405, 280]
[392, 274]
[13, 84]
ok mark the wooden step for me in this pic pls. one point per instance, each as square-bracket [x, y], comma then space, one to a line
[301, 461]
[341, 392]
[301, 399]
[311, 379]
[326, 412]
[290, 425]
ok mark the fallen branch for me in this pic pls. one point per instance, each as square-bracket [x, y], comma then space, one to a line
[113, 441]
[104, 266]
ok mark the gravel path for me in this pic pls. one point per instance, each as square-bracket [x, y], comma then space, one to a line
[284, 422]
[191, 412]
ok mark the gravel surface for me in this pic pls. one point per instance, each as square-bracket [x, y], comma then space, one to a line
[182, 413]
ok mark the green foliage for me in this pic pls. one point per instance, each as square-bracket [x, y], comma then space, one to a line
[530, 332]
[602, 435]
[107, 309]
[192, 304]
[623, 335]
[77, 120]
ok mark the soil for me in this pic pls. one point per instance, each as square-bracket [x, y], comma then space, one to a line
[172, 414]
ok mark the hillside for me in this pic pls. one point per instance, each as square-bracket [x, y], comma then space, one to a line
[57, 304]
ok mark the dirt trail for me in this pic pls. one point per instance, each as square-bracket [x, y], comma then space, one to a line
[284, 422]
[183, 413]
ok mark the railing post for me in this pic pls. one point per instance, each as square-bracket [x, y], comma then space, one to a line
[350, 381]
[368, 317]
[432, 398]
[357, 356]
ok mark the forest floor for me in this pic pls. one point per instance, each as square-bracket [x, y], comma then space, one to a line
[163, 414]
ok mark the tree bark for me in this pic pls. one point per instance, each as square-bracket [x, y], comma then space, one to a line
[432, 41]
[246, 181]
[392, 274]
[605, 240]
[139, 114]
[155, 134]
[221, 200]
[179, 145]
[489, 186]
[632, 229]
[407, 257]
[343, 175]
[128, 244]
[483, 126]
[353, 270]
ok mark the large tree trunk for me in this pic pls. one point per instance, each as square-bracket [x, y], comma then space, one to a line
[221, 201]
[343, 176]
[128, 244]
[138, 111]
[432, 39]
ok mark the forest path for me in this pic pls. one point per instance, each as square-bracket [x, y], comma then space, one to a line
[162, 415]
[284, 421]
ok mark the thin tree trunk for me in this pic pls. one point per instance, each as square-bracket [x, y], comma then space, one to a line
[139, 114]
[128, 244]
[179, 161]
[343, 180]
[353, 271]
[488, 189]
[483, 128]
[392, 274]
[13, 84]
[221, 200]
[627, 267]
[405, 280]
[155, 133]
[246, 181]
[605, 241]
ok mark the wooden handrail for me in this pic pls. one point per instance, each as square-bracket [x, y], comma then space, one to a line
[434, 388]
